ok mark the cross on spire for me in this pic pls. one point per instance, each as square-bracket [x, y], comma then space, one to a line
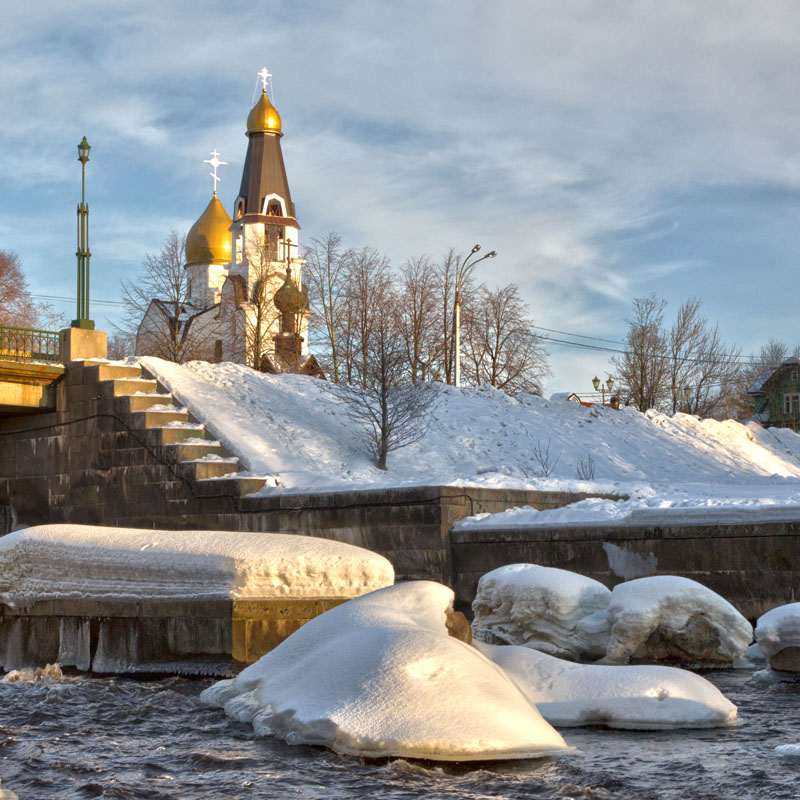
[215, 162]
[265, 75]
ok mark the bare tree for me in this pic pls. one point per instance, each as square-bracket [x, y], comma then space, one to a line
[701, 367]
[157, 309]
[326, 274]
[501, 348]
[446, 272]
[391, 413]
[417, 305]
[642, 369]
[370, 282]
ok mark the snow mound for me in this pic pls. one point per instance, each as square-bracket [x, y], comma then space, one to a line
[778, 629]
[667, 617]
[292, 427]
[379, 676]
[56, 561]
[640, 697]
[788, 750]
[548, 609]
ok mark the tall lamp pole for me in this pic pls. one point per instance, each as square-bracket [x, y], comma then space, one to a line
[465, 268]
[83, 252]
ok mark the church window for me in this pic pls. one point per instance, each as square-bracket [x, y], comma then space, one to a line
[218, 351]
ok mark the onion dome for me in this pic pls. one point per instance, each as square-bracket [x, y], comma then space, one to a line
[289, 299]
[209, 239]
[264, 118]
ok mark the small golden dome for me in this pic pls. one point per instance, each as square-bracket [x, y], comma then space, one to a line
[264, 117]
[209, 240]
[289, 298]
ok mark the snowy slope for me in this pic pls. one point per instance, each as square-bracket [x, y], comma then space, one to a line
[291, 428]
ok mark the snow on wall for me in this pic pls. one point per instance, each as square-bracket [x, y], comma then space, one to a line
[56, 561]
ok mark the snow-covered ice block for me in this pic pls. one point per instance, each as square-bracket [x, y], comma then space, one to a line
[778, 635]
[62, 561]
[545, 608]
[643, 697]
[670, 618]
[379, 676]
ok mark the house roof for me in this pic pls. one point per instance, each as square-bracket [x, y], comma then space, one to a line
[758, 384]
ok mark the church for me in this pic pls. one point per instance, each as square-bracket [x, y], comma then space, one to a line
[244, 300]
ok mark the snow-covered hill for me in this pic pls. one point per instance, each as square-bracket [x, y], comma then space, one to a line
[292, 429]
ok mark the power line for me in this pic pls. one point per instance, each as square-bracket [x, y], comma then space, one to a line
[50, 297]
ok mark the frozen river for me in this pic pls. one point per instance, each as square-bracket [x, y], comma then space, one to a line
[123, 738]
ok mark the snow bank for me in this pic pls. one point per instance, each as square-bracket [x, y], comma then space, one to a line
[644, 697]
[379, 676]
[52, 561]
[778, 629]
[769, 506]
[291, 428]
[548, 609]
[669, 617]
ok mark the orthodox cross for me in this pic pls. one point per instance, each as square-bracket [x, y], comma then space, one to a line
[215, 162]
[265, 74]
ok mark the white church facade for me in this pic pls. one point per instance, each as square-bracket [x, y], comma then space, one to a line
[245, 301]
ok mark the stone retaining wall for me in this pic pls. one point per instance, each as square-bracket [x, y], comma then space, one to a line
[754, 566]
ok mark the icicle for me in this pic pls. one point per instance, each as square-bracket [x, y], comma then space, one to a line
[73, 643]
[117, 647]
[13, 657]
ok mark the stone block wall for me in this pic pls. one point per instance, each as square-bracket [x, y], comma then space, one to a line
[754, 566]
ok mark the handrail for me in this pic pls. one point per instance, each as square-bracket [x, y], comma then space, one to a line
[31, 344]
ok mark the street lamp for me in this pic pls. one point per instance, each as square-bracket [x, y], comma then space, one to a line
[687, 393]
[464, 270]
[602, 386]
[83, 252]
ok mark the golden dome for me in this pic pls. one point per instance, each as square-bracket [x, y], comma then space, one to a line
[209, 240]
[289, 298]
[264, 117]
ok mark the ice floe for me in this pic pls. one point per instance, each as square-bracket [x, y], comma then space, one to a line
[552, 610]
[643, 697]
[668, 617]
[379, 676]
[778, 635]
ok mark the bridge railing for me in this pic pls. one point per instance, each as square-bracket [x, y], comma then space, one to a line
[28, 344]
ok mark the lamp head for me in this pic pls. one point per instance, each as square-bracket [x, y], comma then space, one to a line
[83, 151]
[610, 383]
[596, 382]
[491, 255]
[475, 249]
[687, 392]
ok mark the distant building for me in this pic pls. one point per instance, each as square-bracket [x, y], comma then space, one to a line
[246, 300]
[776, 396]
[613, 402]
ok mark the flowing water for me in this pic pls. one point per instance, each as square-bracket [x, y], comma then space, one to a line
[123, 738]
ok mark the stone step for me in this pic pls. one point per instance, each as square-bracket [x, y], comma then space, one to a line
[202, 470]
[191, 451]
[236, 485]
[105, 372]
[116, 387]
[129, 403]
[157, 419]
[173, 434]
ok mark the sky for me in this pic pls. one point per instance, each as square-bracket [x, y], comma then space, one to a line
[606, 150]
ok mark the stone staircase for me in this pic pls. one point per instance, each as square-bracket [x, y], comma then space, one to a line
[169, 430]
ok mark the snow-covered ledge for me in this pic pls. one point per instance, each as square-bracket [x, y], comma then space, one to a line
[117, 599]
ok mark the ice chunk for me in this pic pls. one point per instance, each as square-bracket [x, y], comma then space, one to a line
[645, 697]
[548, 609]
[778, 635]
[670, 618]
[379, 676]
[788, 750]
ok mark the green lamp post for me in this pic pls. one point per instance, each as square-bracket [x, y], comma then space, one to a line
[83, 252]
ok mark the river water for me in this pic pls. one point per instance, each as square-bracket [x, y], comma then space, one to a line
[124, 738]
